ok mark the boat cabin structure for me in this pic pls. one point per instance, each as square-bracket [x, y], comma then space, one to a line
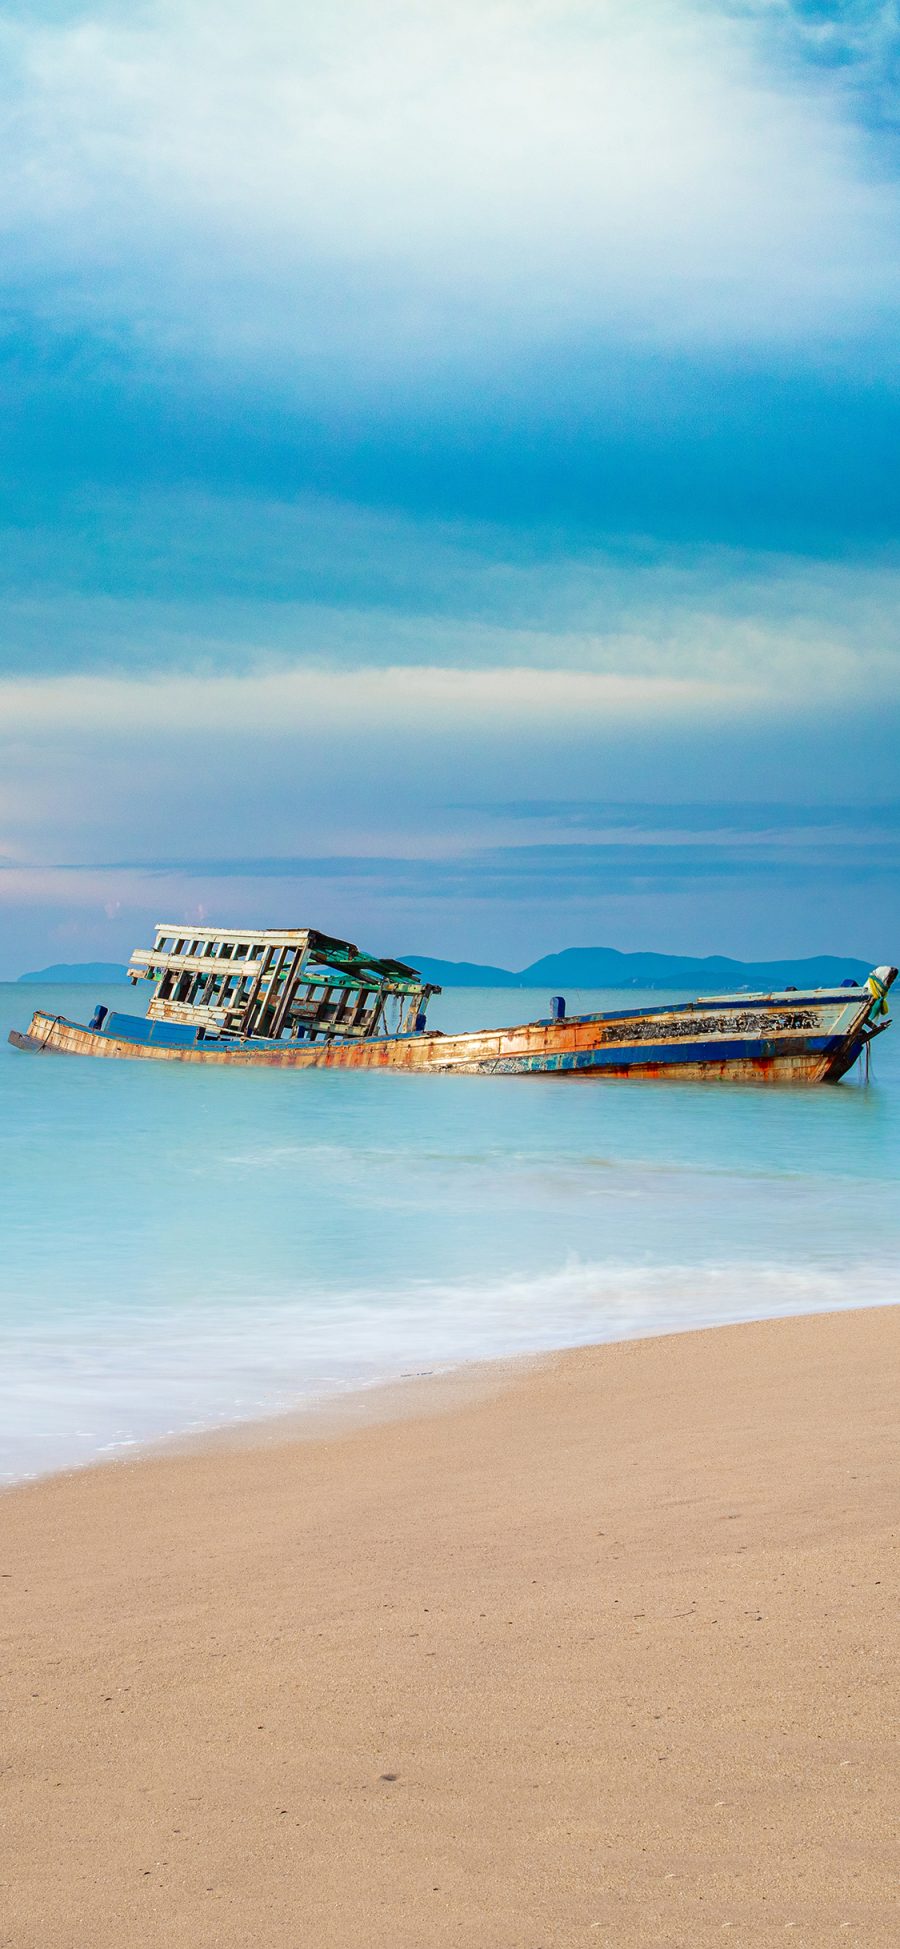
[279, 985]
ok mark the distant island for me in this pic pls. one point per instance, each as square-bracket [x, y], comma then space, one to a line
[605, 967]
[77, 972]
[576, 967]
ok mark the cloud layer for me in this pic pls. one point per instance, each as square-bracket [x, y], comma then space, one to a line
[397, 182]
[410, 413]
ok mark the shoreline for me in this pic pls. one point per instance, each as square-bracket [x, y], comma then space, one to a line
[365, 1402]
[594, 1645]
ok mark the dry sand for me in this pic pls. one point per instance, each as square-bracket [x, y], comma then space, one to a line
[603, 1653]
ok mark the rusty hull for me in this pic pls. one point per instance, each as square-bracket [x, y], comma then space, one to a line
[586, 1047]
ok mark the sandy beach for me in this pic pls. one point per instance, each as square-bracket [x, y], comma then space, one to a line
[598, 1650]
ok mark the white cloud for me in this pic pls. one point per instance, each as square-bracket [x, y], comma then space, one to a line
[311, 702]
[267, 587]
[402, 180]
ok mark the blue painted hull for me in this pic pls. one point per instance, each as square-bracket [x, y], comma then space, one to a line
[773, 1038]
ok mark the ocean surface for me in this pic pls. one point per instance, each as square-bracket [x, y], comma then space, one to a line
[182, 1248]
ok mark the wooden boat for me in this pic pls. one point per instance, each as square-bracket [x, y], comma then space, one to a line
[297, 999]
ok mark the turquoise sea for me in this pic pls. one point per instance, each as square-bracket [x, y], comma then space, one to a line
[184, 1247]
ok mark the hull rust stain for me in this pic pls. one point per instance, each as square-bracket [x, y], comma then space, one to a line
[582, 1047]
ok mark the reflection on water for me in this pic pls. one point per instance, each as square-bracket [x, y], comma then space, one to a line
[184, 1245]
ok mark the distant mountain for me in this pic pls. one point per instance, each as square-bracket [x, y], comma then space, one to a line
[463, 974]
[605, 967]
[598, 967]
[76, 972]
[575, 967]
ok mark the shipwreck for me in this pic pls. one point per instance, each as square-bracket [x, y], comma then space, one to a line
[297, 999]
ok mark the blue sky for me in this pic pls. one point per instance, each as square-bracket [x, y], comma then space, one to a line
[449, 482]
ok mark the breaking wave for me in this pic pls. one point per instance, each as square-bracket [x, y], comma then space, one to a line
[76, 1390]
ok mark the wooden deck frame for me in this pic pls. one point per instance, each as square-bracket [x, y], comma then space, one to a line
[277, 982]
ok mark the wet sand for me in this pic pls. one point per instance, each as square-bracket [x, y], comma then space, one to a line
[601, 1650]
